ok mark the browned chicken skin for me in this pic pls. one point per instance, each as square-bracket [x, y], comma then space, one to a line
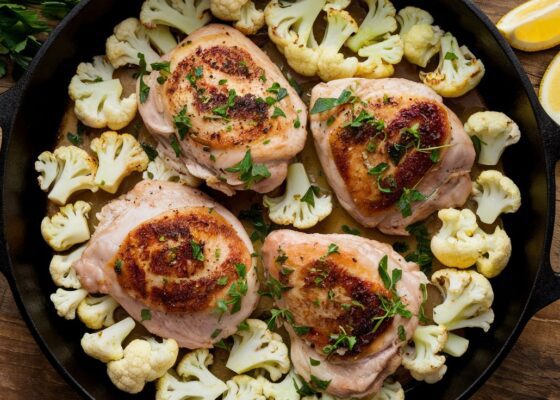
[223, 98]
[395, 135]
[331, 285]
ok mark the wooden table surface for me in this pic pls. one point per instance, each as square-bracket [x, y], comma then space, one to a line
[531, 370]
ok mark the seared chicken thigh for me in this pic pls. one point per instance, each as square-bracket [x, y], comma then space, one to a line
[392, 152]
[332, 286]
[175, 260]
[223, 102]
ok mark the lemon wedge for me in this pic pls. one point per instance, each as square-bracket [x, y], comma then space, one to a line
[532, 26]
[549, 92]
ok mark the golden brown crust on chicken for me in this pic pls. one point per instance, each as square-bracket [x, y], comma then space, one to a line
[163, 247]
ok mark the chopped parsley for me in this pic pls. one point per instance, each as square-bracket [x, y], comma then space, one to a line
[150, 151]
[401, 333]
[320, 384]
[197, 252]
[145, 314]
[309, 196]
[278, 113]
[378, 169]
[222, 111]
[342, 339]
[314, 362]
[279, 91]
[275, 288]
[216, 333]
[333, 248]
[222, 281]
[243, 326]
[324, 104]
[77, 138]
[422, 255]
[255, 216]
[275, 314]
[248, 172]
[366, 118]
[477, 143]
[350, 231]
[144, 89]
[236, 292]
[164, 68]
[175, 145]
[182, 122]
[222, 81]
[408, 197]
[118, 266]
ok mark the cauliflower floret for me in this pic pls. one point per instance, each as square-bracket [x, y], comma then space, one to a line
[47, 167]
[422, 43]
[97, 96]
[379, 21]
[458, 71]
[129, 39]
[459, 242]
[62, 273]
[106, 345]
[381, 57]
[250, 19]
[284, 390]
[158, 170]
[246, 16]
[97, 312]
[332, 64]
[184, 15]
[198, 383]
[76, 172]
[243, 387]
[299, 206]
[423, 360]
[495, 131]
[258, 347]
[118, 155]
[389, 391]
[455, 345]
[495, 194]
[496, 253]
[162, 38]
[411, 16]
[66, 302]
[67, 227]
[143, 361]
[468, 298]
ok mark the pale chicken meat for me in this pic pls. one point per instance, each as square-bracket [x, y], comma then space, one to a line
[338, 301]
[175, 260]
[224, 102]
[391, 150]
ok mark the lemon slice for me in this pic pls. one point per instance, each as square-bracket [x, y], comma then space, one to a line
[549, 92]
[532, 26]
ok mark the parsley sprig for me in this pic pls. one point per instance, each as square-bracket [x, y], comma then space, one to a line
[236, 292]
[249, 172]
[341, 339]
[324, 104]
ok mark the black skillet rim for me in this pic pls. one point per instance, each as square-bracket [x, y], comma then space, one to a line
[542, 120]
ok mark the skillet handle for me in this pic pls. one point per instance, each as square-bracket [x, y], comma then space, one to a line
[547, 285]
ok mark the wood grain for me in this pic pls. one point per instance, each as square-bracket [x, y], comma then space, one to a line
[531, 370]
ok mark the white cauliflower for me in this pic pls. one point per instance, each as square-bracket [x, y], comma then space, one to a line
[412, 16]
[158, 170]
[97, 96]
[47, 167]
[118, 155]
[422, 43]
[258, 347]
[106, 345]
[246, 16]
[455, 345]
[495, 194]
[389, 391]
[290, 27]
[380, 58]
[379, 21]
[97, 312]
[62, 273]
[460, 243]
[284, 390]
[162, 38]
[194, 380]
[299, 206]
[495, 131]
[129, 38]
[143, 361]
[332, 64]
[458, 72]
[422, 359]
[468, 298]
[184, 15]
[76, 170]
[67, 227]
[243, 387]
[66, 301]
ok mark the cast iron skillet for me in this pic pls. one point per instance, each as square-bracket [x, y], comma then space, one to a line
[30, 114]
